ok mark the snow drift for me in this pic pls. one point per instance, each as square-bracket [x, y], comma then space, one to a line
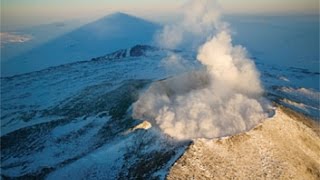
[222, 98]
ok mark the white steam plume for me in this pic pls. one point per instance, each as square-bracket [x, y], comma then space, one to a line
[200, 19]
[222, 98]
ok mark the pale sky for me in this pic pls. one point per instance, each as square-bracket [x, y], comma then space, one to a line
[22, 12]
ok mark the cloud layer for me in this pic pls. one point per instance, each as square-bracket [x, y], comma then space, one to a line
[7, 37]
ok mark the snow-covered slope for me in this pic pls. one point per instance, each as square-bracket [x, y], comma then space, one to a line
[107, 34]
[74, 120]
[289, 41]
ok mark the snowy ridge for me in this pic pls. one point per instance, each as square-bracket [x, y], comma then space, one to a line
[135, 51]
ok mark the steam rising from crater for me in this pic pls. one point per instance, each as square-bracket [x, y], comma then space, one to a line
[222, 98]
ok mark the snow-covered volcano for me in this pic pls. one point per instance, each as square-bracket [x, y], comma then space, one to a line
[74, 120]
